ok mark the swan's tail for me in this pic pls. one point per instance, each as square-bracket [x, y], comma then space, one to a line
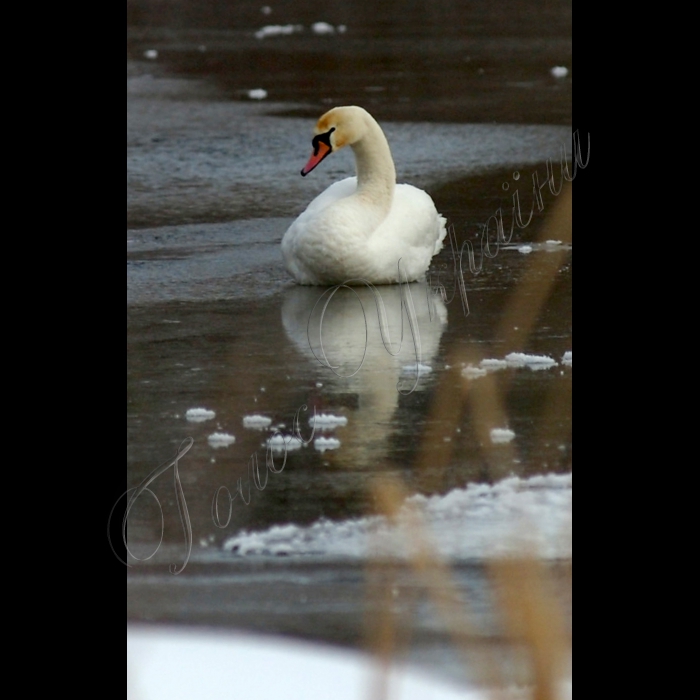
[442, 228]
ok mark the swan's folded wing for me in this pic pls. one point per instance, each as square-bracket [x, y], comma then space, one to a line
[415, 219]
[414, 232]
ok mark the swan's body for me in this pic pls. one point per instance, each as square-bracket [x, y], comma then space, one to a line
[363, 228]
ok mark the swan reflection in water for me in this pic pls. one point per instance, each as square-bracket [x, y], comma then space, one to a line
[371, 345]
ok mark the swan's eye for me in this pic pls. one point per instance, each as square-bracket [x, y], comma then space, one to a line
[323, 139]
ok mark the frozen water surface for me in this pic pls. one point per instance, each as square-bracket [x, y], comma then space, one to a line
[472, 110]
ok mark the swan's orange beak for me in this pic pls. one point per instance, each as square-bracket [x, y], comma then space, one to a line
[323, 150]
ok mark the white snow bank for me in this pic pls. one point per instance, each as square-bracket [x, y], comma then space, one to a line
[168, 663]
[476, 523]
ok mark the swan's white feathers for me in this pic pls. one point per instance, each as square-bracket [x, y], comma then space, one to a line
[361, 231]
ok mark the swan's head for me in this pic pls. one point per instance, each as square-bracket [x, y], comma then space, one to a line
[341, 127]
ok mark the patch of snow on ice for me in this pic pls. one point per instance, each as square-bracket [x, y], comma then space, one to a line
[547, 247]
[327, 444]
[328, 422]
[259, 94]
[257, 422]
[568, 359]
[494, 365]
[279, 443]
[472, 372]
[420, 368]
[536, 362]
[560, 71]
[278, 30]
[515, 360]
[476, 523]
[221, 440]
[323, 29]
[200, 415]
[502, 436]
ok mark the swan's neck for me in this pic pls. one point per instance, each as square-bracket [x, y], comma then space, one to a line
[376, 173]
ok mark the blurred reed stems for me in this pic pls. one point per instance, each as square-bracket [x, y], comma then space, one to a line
[533, 619]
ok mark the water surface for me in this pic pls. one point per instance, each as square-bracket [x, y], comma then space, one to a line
[470, 107]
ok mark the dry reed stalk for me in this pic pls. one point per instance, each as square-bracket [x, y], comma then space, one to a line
[535, 288]
[390, 495]
[530, 615]
[533, 620]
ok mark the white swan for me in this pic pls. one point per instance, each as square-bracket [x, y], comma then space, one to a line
[361, 228]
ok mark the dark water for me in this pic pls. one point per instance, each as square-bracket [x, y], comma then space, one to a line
[466, 62]
[467, 99]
